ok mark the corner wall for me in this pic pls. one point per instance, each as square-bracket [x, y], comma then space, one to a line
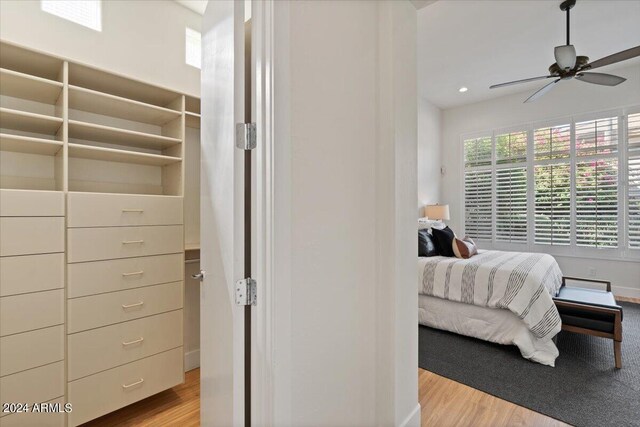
[429, 153]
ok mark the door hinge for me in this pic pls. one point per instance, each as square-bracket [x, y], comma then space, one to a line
[246, 136]
[246, 292]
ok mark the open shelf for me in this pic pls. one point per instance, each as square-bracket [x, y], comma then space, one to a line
[25, 144]
[25, 86]
[26, 61]
[121, 156]
[111, 135]
[192, 120]
[115, 106]
[192, 246]
[29, 122]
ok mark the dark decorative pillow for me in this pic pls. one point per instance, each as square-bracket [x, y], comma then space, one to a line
[464, 248]
[426, 247]
[443, 240]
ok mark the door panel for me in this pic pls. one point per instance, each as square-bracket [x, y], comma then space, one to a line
[221, 211]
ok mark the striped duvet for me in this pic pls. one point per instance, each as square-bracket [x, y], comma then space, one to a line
[523, 283]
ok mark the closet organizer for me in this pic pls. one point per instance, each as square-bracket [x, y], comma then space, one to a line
[92, 236]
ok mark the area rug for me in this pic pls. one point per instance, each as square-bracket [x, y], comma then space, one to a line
[584, 389]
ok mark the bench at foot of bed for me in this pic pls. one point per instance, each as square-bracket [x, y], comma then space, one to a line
[591, 312]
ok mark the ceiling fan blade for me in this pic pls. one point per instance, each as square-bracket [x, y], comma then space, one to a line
[616, 57]
[600, 79]
[542, 91]
[515, 82]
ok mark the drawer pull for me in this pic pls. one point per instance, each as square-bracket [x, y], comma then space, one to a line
[137, 304]
[133, 210]
[140, 381]
[124, 343]
[133, 273]
[132, 242]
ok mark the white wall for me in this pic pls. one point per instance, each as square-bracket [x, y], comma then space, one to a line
[144, 40]
[345, 132]
[429, 153]
[569, 98]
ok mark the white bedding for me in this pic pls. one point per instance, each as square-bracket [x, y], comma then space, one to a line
[490, 324]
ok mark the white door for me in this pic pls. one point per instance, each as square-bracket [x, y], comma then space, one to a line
[222, 216]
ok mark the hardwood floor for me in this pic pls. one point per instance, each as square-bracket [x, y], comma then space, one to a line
[628, 299]
[444, 403]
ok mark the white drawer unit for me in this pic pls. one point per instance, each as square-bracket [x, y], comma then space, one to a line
[31, 273]
[94, 244]
[40, 384]
[104, 348]
[107, 391]
[31, 203]
[30, 235]
[28, 350]
[97, 277]
[115, 307]
[101, 210]
[54, 418]
[22, 313]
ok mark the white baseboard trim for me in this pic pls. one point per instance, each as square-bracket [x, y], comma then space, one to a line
[191, 360]
[413, 419]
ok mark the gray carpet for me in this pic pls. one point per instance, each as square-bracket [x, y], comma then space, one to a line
[584, 389]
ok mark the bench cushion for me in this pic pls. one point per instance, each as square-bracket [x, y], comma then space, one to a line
[583, 317]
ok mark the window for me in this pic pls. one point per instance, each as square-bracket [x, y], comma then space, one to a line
[633, 178]
[84, 12]
[573, 186]
[193, 48]
[552, 185]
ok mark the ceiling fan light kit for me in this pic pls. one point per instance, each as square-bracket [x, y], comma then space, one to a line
[568, 65]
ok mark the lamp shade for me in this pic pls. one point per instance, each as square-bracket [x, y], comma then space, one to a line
[437, 211]
[565, 56]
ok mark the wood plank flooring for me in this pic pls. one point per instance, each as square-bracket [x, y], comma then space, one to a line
[444, 403]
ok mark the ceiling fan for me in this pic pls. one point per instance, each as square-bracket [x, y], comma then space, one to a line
[568, 65]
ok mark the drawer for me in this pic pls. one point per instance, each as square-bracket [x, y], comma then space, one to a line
[31, 273]
[115, 307]
[21, 313]
[24, 236]
[94, 244]
[31, 203]
[28, 350]
[38, 419]
[101, 210]
[35, 385]
[107, 391]
[104, 348]
[90, 278]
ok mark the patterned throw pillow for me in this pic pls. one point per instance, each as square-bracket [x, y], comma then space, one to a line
[464, 248]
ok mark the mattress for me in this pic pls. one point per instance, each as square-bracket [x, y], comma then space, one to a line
[490, 324]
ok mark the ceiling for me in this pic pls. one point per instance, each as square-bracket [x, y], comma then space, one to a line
[479, 43]
[197, 6]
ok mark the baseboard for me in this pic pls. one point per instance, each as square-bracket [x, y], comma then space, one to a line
[191, 360]
[413, 419]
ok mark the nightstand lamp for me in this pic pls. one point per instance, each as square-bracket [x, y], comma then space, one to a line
[439, 212]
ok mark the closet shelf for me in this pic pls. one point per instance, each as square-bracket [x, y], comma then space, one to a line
[192, 120]
[192, 246]
[111, 135]
[115, 106]
[121, 156]
[26, 86]
[30, 122]
[25, 144]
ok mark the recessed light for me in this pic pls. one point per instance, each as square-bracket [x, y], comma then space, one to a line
[463, 89]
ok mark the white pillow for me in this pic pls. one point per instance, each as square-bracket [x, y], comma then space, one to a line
[428, 224]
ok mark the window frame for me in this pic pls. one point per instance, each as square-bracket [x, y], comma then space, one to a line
[622, 252]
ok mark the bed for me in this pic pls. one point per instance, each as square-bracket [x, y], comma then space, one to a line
[497, 296]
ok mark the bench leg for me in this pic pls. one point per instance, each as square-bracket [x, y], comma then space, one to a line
[617, 351]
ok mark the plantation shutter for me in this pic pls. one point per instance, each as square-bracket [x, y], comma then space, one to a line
[552, 185]
[478, 188]
[597, 183]
[633, 178]
[511, 187]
